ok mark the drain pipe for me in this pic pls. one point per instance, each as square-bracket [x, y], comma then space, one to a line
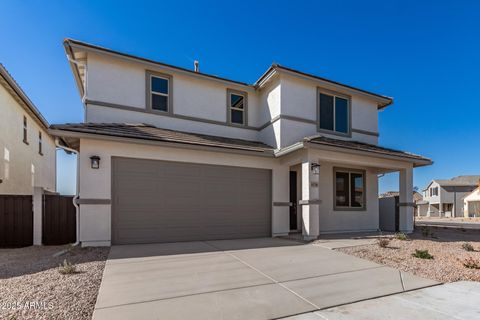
[75, 198]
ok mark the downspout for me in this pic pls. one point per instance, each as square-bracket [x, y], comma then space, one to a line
[75, 198]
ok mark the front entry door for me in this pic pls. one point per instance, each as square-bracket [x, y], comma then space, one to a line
[293, 200]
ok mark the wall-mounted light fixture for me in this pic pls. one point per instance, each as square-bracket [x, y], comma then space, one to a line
[315, 167]
[95, 162]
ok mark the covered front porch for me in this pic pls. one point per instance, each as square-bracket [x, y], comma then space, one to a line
[335, 190]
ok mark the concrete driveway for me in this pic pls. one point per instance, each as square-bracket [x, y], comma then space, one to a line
[238, 279]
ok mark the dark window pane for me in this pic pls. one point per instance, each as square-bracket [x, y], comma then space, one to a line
[326, 112]
[342, 192]
[160, 85]
[341, 115]
[237, 116]
[357, 189]
[236, 101]
[159, 102]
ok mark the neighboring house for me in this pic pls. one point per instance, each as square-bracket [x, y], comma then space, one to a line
[27, 151]
[471, 203]
[444, 198]
[170, 154]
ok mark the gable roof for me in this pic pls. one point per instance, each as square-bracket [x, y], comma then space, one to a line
[20, 96]
[382, 101]
[459, 181]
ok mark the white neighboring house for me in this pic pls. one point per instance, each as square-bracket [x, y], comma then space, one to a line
[471, 204]
[444, 198]
[27, 151]
[170, 154]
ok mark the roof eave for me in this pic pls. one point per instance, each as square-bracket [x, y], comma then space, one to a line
[93, 48]
[23, 96]
[99, 136]
[415, 161]
[76, 73]
[382, 101]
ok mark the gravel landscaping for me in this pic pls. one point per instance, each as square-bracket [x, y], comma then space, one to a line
[445, 245]
[31, 286]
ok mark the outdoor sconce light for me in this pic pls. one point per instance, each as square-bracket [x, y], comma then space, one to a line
[315, 167]
[95, 162]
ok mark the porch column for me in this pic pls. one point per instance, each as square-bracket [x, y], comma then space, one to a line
[429, 209]
[310, 201]
[37, 215]
[406, 203]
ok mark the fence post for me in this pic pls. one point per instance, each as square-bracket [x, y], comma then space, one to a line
[37, 215]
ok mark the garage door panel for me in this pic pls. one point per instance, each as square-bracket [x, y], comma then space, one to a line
[173, 201]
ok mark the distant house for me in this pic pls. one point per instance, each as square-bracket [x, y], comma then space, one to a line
[471, 204]
[27, 151]
[445, 198]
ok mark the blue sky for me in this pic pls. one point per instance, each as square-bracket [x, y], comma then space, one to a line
[422, 53]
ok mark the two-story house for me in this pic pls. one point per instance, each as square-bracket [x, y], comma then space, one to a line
[170, 154]
[444, 198]
[27, 151]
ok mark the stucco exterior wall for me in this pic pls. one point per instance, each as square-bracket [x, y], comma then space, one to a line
[344, 221]
[21, 165]
[299, 99]
[116, 86]
[95, 219]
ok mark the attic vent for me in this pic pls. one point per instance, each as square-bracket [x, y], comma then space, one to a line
[196, 66]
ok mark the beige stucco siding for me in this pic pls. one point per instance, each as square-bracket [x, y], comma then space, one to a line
[124, 83]
[341, 221]
[21, 165]
[114, 84]
[95, 220]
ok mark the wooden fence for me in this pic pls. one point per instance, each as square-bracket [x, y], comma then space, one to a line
[58, 220]
[16, 221]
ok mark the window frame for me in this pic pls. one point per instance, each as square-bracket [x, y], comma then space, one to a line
[25, 130]
[349, 111]
[244, 94]
[40, 143]
[349, 171]
[148, 92]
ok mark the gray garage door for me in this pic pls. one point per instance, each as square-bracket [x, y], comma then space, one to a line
[162, 201]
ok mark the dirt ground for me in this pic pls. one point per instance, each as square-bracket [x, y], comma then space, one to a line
[444, 244]
[31, 286]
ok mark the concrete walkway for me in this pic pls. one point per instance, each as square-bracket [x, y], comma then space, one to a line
[238, 279]
[457, 300]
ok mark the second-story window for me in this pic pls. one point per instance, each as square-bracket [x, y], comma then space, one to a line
[25, 132]
[333, 113]
[160, 93]
[237, 107]
[40, 143]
